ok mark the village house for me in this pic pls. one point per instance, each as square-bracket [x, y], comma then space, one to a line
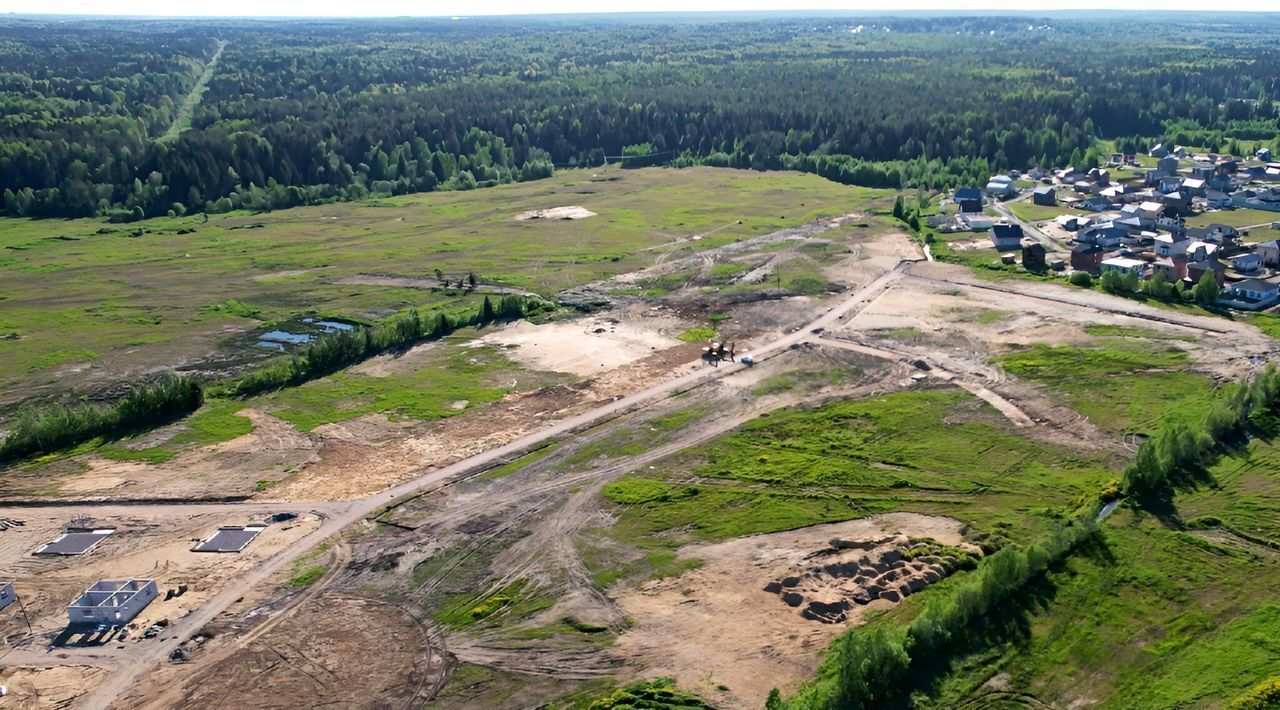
[1169, 245]
[1001, 186]
[1006, 236]
[1096, 204]
[1269, 253]
[1251, 294]
[1246, 263]
[1124, 264]
[968, 199]
[1105, 234]
[1033, 257]
[1215, 233]
[1087, 257]
[1044, 196]
[1197, 269]
[1195, 187]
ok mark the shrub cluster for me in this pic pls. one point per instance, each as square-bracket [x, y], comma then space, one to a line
[1180, 448]
[40, 430]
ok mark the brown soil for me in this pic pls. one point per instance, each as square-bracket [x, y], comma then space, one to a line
[312, 659]
[57, 687]
[717, 626]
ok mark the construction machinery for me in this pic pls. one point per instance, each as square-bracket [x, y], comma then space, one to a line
[715, 352]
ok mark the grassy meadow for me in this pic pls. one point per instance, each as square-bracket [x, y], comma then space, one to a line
[1124, 385]
[938, 451]
[94, 303]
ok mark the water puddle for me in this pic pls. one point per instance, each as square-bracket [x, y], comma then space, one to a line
[301, 331]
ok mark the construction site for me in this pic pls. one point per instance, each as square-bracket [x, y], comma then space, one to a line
[550, 542]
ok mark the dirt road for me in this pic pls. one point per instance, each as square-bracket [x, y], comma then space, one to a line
[149, 655]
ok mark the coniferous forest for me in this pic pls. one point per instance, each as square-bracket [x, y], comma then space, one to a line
[308, 111]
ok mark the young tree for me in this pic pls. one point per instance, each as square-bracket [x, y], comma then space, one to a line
[1206, 290]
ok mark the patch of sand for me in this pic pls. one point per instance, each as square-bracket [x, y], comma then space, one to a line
[716, 626]
[570, 212]
[581, 346]
[56, 687]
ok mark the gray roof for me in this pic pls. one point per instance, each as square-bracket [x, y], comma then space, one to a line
[1255, 285]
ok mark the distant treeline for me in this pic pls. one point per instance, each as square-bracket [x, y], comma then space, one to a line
[46, 429]
[312, 111]
[38, 430]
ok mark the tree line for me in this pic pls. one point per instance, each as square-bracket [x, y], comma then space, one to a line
[39, 430]
[309, 112]
[48, 428]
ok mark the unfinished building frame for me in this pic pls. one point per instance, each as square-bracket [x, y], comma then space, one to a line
[112, 602]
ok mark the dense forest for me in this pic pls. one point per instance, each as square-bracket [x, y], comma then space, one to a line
[310, 111]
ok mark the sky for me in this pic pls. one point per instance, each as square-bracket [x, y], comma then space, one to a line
[427, 8]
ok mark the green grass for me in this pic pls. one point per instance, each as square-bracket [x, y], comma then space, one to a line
[1124, 386]
[1128, 331]
[1028, 211]
[152, 299]
[698, 334]
[528, 459]
[1153, 618]
[804, 380]
[1238, 217]
[937, 451]
[213, 423]
[514, 601]
[308, 576]
[450, 381]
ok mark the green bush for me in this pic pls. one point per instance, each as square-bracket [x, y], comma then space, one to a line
[1081, 279]
[1264, 696]
[41, 430]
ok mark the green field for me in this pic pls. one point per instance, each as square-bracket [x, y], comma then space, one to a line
[1238, 217]
[1154, 615]
[1027, 211]
[1123, 385]
[97, 302]
[851, 459]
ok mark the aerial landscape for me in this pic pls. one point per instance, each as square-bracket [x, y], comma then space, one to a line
[792, 360]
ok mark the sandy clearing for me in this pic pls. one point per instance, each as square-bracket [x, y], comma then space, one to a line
[569, 212]
[227, 468]
[280, 274]
[145, 545]
[715, 625]
[585, 347]
[56, 687]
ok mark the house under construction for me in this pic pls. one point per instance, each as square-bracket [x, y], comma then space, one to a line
[112, 602]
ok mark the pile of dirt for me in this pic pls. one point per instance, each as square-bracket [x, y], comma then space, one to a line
[570, 212]
[848, 573]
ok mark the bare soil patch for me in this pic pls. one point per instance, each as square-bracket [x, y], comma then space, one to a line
[568, 212]
[717, 625]
[56, 687]
[311, 659]
[587, 346]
